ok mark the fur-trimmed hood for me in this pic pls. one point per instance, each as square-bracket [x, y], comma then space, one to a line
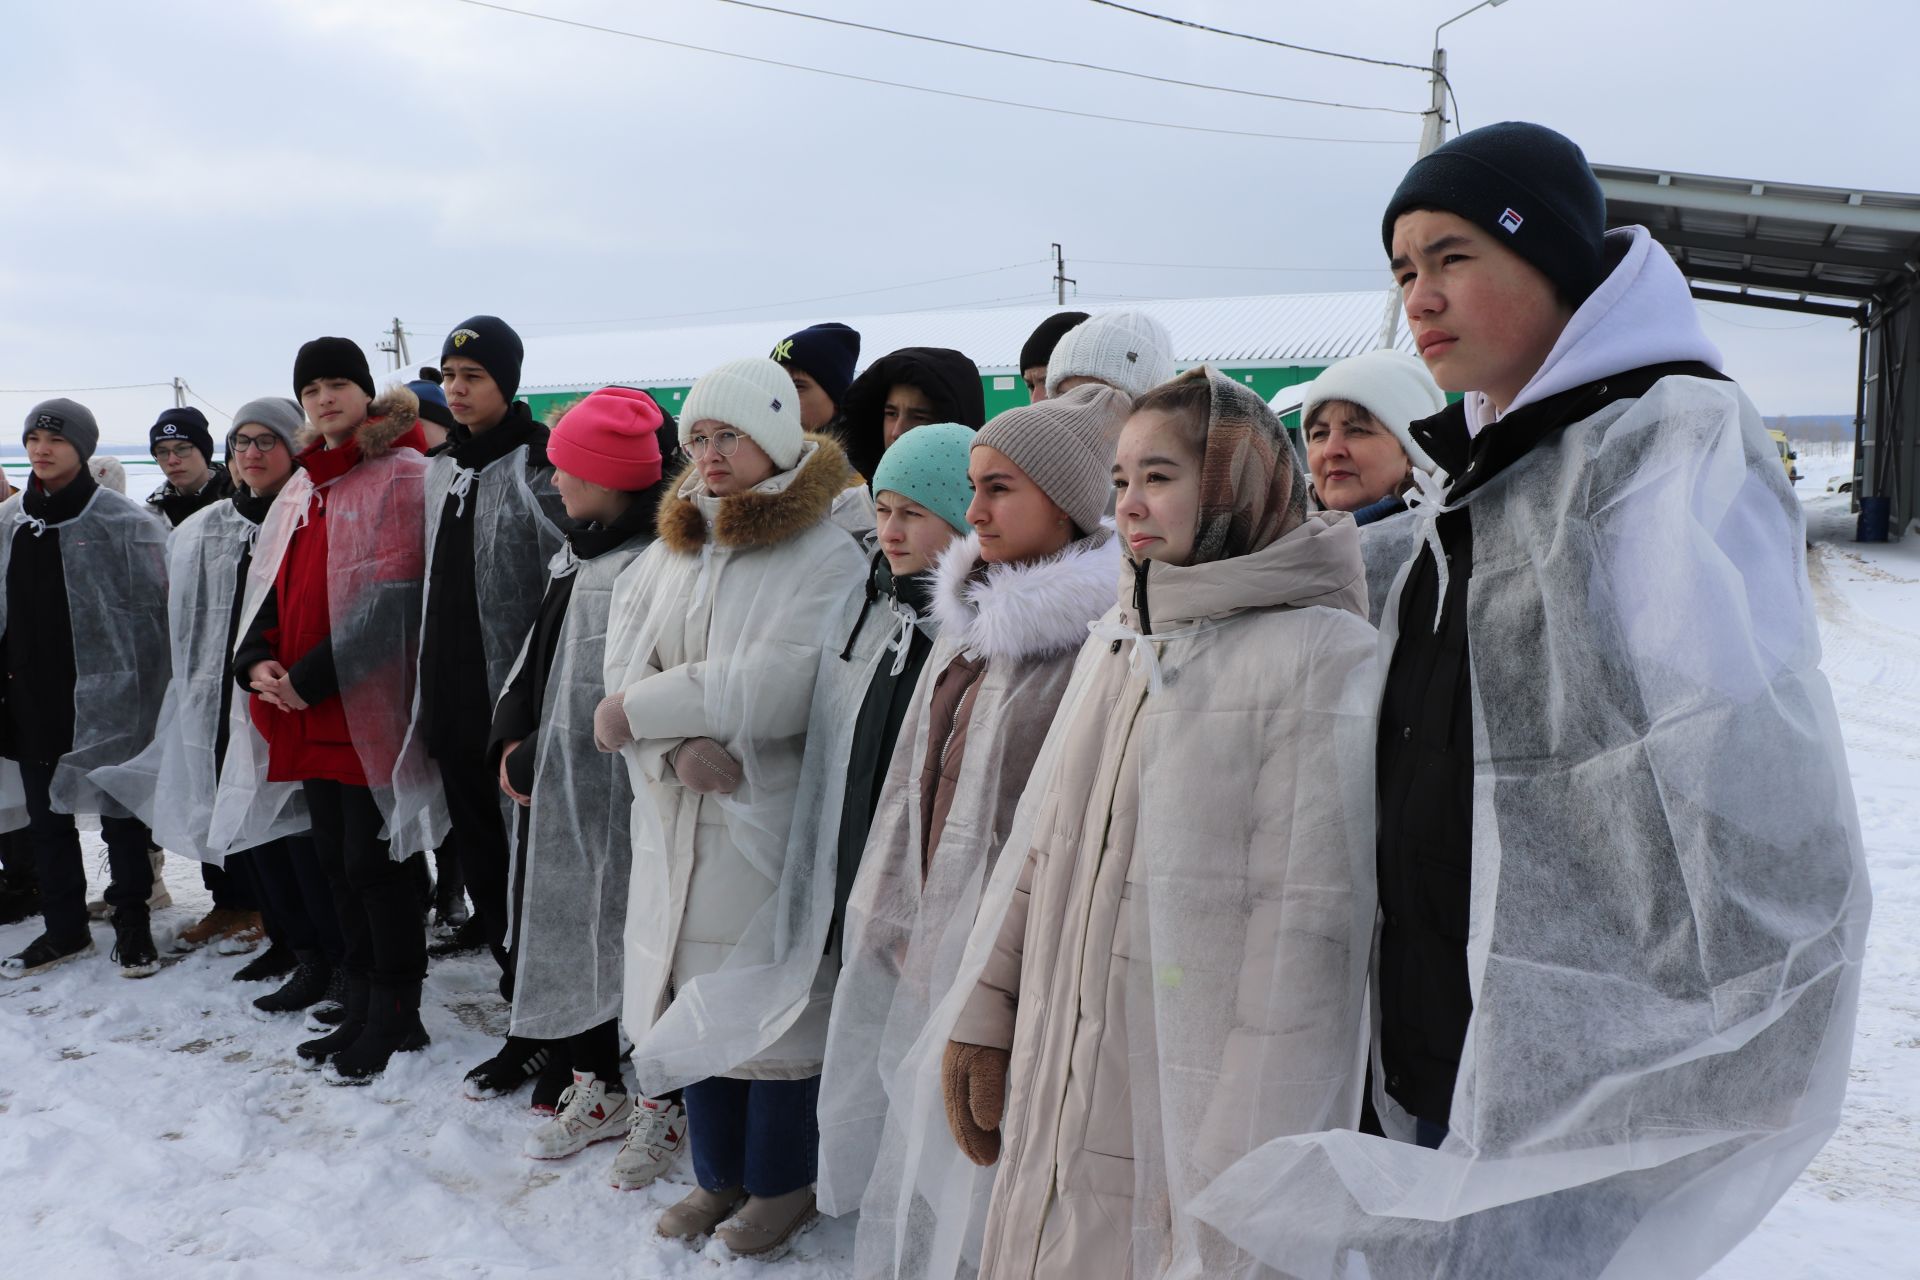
[768, 514]
[391, 415]
[1020, 611]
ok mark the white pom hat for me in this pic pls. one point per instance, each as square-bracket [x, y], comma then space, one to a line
[1128, 350]
[1389, 384]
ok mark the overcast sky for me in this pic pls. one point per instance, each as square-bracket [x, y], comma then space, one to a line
[195, 188]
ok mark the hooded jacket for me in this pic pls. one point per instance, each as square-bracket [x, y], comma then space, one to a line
[996, 673]
[717, 631]
[947, 378]
[293, 624]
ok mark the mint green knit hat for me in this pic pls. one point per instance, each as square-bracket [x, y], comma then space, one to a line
[929, 465]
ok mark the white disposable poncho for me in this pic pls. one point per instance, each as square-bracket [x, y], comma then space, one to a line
[514, 538]
[572, 860]
[375, 570]
[113, 558]
[1385, 546]
[13, 797]
[1668, 905]
[171, 785]
[719, 638]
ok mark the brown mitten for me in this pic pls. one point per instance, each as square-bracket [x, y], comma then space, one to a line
[610, 728]
[704, 766]
[973, 1078]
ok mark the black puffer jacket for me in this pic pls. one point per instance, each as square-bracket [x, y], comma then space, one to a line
[947, 378]
[174, 506]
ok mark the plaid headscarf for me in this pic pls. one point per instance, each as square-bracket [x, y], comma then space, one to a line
[1251, 490]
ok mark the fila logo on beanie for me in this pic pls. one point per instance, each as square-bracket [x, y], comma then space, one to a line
[1510, 221]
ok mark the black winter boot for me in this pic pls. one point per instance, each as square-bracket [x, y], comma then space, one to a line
[332, 1008]
[449, 892]
[275, 962]
[315, 1053]
[393, 1026]
[470, 935]
[307, 986]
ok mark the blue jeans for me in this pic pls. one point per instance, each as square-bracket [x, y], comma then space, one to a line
[758, 1134]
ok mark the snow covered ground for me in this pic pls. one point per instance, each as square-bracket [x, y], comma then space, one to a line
[161, 1128]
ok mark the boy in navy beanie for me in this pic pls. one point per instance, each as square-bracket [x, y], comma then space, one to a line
[820, 360]
[183, 446]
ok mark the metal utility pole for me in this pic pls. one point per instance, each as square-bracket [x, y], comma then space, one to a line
[1060, 278]
[179, 392]
[396, 346]
[1433, 132]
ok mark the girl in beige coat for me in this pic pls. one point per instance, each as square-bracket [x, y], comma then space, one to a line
[1178, 973]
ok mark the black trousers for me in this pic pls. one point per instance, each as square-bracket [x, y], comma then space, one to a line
[231, 887]
[296, 897]
[63, 875]
[597, 1049]
[379, 902]
[479, 840]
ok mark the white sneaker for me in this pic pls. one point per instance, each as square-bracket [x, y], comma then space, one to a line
[653, 1140]
[587, 1114]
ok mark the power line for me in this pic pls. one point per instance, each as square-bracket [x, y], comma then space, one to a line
[49, 391]
[1763, 328]
[1228, 266]
[203, 400]
[1061, 62]
[1242, 35]
[921, 88]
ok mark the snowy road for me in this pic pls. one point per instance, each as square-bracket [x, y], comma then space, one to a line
[160, 1128]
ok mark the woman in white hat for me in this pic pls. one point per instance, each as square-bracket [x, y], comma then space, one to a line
[1355, 419]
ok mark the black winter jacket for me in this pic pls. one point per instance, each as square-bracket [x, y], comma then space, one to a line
[173, 506]
[38, 644]
[1425, 754]
[946, 377]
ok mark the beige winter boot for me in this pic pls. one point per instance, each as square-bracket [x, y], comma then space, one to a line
[699, 1213]
[762, 1226]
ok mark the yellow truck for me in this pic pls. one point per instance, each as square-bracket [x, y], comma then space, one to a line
[1787, 456]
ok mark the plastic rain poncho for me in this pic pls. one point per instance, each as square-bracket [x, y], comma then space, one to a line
[514, 538]
[375, 569]
[1385, 546]
[113, 557]
[718, 630]
[172, 783]
[906, 928]
[1668, 899]
[572, 855]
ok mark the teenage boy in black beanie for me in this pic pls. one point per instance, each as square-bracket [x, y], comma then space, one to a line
[820, 360]
[1617, 963]
[181, 443]
[493, 520]
[1038, 349]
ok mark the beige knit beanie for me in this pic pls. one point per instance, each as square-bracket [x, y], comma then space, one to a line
[1065, 445]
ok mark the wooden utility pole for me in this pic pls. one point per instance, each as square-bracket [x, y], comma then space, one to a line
[1060, 278]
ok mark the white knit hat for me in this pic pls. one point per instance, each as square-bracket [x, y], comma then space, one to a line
[1129, 350]
[754, 396]
[1389, 384]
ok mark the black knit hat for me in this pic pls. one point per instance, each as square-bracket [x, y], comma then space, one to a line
[187, 424]
[824, 352]
[1041, 342]
[1528, 187]
[491, 343]
[332, 358]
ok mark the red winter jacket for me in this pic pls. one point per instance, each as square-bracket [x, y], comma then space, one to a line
[316, 744]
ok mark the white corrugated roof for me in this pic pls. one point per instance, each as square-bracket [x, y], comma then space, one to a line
[1271, 329]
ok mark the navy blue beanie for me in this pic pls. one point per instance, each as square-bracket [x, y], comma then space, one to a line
[491, 343]
[1528, 187]
[433, 402]
[187, 424]
[824, 352]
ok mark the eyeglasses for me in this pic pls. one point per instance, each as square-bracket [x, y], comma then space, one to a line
[255, 444]
[173, 451]
[726, 443]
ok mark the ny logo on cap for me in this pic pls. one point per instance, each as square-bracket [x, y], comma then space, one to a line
[51, 421]
[461, 337]
[784, 351]
[1510, 221]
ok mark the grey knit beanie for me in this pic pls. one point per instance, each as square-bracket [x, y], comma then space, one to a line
[67, 418]
[1065, 445]
[277, 413]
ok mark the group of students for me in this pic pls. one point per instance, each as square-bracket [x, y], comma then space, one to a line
[1017, 831]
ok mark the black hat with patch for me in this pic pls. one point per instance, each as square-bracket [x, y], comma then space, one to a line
[491, 343]
[332, 358]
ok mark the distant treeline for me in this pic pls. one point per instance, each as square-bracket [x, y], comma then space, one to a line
[1814, 428]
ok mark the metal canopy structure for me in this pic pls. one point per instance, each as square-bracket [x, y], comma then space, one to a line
[1826, 251]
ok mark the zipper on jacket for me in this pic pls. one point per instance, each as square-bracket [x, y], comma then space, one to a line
[959, 707]
[1140, 597]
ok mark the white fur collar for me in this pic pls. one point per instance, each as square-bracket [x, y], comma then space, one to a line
[1019, 611]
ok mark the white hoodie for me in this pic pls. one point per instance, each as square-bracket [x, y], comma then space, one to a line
[1641, 314]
